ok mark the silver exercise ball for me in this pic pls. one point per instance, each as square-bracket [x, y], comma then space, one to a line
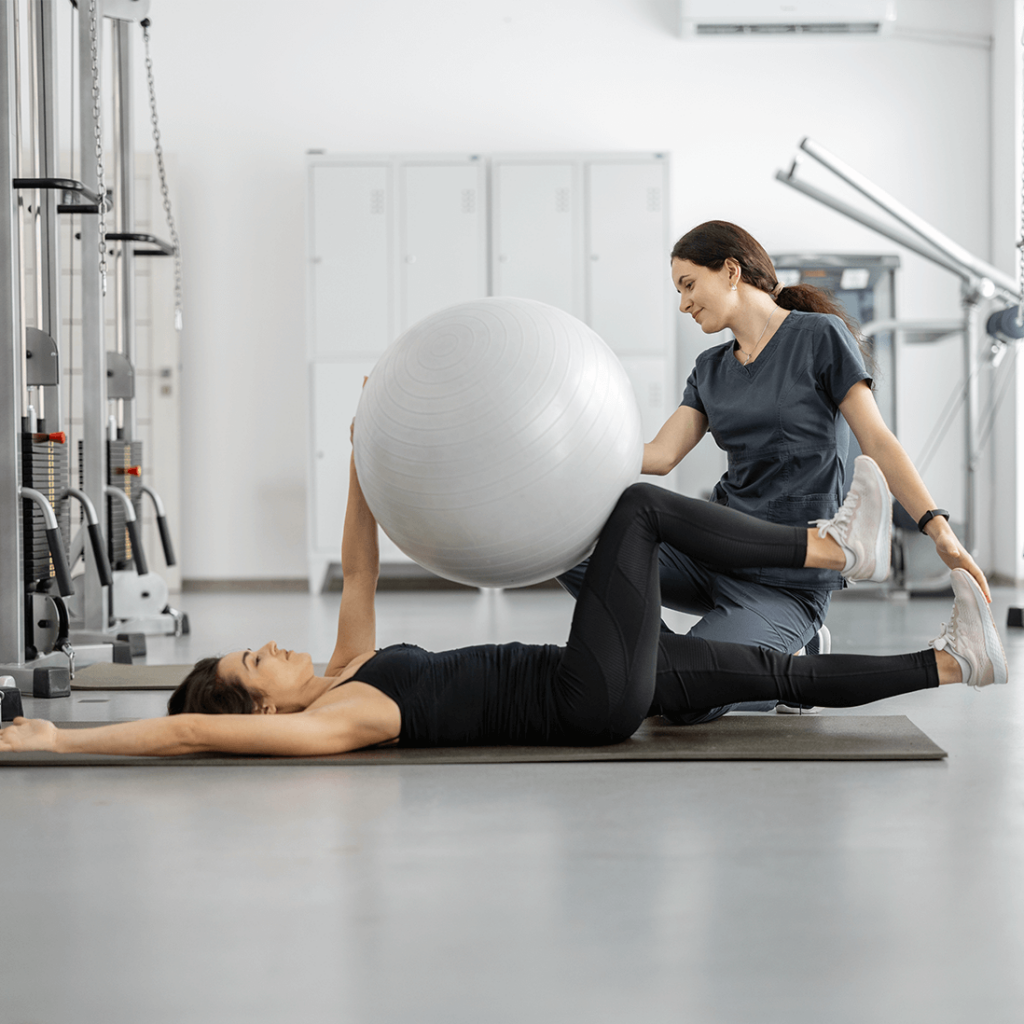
[493, 439]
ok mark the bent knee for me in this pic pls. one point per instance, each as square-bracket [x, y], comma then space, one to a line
[637, 497]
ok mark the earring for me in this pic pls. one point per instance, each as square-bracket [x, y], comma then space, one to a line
[733, 288]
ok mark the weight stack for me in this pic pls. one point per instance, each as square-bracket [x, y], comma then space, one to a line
[124, 471]
[44, 467]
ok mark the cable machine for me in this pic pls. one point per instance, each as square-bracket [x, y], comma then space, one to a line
[136, 604]
[40, 641]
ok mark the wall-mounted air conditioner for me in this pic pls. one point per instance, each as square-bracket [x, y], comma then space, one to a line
[785, 17]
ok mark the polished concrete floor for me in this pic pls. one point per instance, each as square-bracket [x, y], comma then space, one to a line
[696, 892]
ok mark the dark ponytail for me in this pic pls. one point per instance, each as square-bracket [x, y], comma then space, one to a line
[710, 244]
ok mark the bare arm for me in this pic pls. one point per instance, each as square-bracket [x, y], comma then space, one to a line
[360, 566]
[878, 441]
[334, 729]
[676, 439]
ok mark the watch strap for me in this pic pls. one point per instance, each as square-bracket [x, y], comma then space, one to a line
[929, 516]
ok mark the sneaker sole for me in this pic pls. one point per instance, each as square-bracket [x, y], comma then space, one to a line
[964, 585]
[883, 542]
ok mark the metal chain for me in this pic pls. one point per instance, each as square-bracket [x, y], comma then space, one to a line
[158, 149]
[101, 189]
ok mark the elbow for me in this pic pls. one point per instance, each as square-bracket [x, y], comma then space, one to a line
[654, 463]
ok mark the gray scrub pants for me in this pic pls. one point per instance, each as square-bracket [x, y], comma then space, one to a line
[732, 610]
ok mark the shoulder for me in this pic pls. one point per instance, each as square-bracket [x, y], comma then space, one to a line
[816, 324]
[714, 355]
[821, 335]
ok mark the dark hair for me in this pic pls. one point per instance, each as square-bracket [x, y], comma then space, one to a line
[203, 691]
[710, 244]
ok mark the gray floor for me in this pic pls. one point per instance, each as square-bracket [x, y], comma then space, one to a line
[827, 893]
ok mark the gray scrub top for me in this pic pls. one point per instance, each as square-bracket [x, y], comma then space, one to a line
[778, 421]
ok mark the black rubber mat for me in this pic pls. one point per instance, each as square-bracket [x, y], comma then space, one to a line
[766, 737]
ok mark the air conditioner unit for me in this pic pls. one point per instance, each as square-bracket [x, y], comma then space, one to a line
[785, 17]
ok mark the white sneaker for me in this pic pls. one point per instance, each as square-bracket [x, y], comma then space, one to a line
[824, 640]
[971, 636]
[863, 525]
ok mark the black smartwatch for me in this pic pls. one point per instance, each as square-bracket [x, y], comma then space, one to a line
[929, 516]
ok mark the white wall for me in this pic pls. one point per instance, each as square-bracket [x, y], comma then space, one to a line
[247, 87]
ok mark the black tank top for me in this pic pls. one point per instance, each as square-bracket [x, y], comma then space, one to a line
[470, 696]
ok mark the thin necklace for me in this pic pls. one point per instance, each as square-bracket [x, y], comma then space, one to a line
[760, 336]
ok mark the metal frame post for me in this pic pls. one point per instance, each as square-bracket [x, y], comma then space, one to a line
[125, 192]
[12, 606]
[94, 375]
[44, 96]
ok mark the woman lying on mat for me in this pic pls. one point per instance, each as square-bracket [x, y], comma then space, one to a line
[616, 668]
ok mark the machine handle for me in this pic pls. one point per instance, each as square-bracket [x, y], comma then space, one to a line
[138, 555]
[165, 539]
[99, 546]
[99, 551]
[161, 522]
[53, 540]
[157, 247]
[60, 562]
[132, 525]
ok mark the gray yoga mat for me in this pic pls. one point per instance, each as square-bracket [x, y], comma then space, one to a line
[732, 738]
[106, 675]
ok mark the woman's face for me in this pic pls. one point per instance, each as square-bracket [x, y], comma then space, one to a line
[706, 294]
[279, 676]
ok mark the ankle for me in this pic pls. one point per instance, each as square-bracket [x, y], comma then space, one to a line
[949, 668]
[823, 552]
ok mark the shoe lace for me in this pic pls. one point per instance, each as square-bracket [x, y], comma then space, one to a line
[949, 633]
[943, 639]
[841, 520]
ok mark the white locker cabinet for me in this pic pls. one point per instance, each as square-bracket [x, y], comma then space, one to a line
[536, 232]
[443, 218]
[628, 259]
[352, 260]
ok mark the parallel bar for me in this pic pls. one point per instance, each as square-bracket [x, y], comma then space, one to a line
[889, 231]
[979, 268]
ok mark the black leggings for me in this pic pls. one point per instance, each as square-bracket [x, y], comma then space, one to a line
[618, 666]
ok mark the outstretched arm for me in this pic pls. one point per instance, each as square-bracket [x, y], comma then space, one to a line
[878, 441]
[329, 730]
[360, 567]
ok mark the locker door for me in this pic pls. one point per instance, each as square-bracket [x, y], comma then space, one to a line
[536, 218]
[443, 237]
[336, 387]
[627, 302]
[352, 275]
[649, 377]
